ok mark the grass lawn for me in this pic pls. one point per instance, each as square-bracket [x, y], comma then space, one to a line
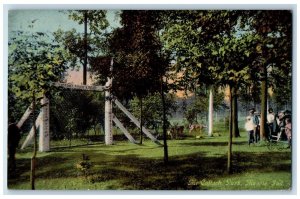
[194, 164]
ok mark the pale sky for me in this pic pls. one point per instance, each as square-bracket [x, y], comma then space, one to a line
[46, 21]
[49, 21]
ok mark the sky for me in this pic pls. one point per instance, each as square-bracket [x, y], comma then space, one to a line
[49, 21]
[45, 21]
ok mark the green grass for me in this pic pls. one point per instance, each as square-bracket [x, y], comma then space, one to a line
[194, 164]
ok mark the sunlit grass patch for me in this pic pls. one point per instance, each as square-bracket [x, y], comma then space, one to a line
[249, 181]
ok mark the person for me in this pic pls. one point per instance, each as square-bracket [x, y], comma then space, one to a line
[270, 121]
[288, 130]
[249, 127]
[276, 127]
[13, 139]
[255, 121]
[281, 124]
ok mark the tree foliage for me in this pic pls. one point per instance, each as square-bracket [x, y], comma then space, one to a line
[190, 36]
[75, 43]
[138, 59]
[74, 113]
[35, 62]
[274, 29]
[96, 19]
[199, 104]
[153, 110]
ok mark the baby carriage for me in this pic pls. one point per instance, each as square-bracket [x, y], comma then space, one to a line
[278, 138]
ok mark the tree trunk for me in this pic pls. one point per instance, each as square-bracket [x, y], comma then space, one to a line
[141, 120]
[229, 155]
[235, 125]
[70, 142]
[33, 158]
[263, 114]
[166, 158]
[95, 129]
[210, 113]
[85, 49]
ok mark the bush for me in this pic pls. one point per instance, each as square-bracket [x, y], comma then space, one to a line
[84, 165]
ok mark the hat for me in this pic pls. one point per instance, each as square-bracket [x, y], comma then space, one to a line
[287, 112]
[252, 109]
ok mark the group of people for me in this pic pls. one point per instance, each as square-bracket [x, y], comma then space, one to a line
[278, 126]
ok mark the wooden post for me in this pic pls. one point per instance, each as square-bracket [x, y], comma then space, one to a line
[33, 158]
[107, 118]
[210, 113]
[141, 121]
[135, 121]
[108, 111]
[25, 116]
[30, 137]
[44, 139]
[124, 130]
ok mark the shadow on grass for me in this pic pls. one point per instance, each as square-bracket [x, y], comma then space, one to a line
[202, 143]
[268, 161]
[183, 171]
[48, 166]
[132, 172]
[64, 148]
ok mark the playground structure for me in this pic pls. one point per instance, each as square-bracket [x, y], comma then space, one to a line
[43, 120]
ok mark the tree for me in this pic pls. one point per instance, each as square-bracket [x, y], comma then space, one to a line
[190, 39]
[235, 54]
[153, 109]
[274, 49]
[35, 61]
[97, 22]
[197, 107]
[79, 111]
[83, 48]
[139, 62]
[212, 47]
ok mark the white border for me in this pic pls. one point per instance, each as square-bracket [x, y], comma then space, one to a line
[179, 2]
[154, 4]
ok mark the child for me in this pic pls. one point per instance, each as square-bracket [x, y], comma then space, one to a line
[250, 126]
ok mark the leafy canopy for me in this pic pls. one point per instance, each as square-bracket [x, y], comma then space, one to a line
[35, 61]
